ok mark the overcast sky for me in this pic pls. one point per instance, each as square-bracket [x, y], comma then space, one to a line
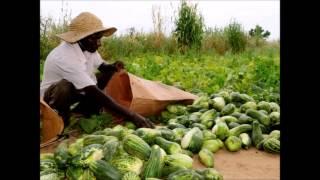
[138, 14]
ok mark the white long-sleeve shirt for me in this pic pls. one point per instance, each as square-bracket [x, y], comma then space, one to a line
[68, 61]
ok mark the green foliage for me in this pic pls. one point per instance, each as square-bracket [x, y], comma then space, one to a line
[215, 41]
[258, 31]
[136, 44]
[256, 73]
[236, 37]
[189, 27]
[254, 70]
[41, 69]
[95, 122]
[258, 34]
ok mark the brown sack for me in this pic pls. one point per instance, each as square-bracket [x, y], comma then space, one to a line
[144, 96]
[52, 124]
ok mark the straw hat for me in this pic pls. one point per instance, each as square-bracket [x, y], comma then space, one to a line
[83, 25]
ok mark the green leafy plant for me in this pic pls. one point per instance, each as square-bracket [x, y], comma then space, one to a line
[236, 37]
[189, 27]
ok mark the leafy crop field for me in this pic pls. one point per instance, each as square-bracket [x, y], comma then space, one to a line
[256, 74]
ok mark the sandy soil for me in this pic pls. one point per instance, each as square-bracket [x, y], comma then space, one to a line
[250, 164]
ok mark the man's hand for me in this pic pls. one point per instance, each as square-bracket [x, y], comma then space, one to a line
[119, 65]
[140, 121]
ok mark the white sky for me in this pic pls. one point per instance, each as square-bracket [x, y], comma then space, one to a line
[138, 14]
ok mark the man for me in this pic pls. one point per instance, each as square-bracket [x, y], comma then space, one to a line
[69, 72]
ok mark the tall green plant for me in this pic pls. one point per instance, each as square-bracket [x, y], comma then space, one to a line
[189, 27]
[236, 37]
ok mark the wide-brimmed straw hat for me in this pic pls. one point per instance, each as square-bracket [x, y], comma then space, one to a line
[83, 25]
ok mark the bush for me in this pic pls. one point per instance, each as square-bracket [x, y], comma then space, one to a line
[259, 35]
[236, 37]
[215, 40]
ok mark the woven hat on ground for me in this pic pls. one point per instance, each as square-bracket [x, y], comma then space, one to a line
[85, 24]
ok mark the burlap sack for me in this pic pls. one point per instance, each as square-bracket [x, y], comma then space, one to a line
[52, 124]
[144, 96]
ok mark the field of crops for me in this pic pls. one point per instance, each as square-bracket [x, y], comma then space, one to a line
[256, 73]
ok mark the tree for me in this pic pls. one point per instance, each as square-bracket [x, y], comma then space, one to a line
[259, 34]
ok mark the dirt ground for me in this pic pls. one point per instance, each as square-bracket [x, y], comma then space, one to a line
[250, 164]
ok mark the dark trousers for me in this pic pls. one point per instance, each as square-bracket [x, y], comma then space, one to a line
[63, 94]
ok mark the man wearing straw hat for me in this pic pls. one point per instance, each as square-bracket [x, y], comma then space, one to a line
[69, 72]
